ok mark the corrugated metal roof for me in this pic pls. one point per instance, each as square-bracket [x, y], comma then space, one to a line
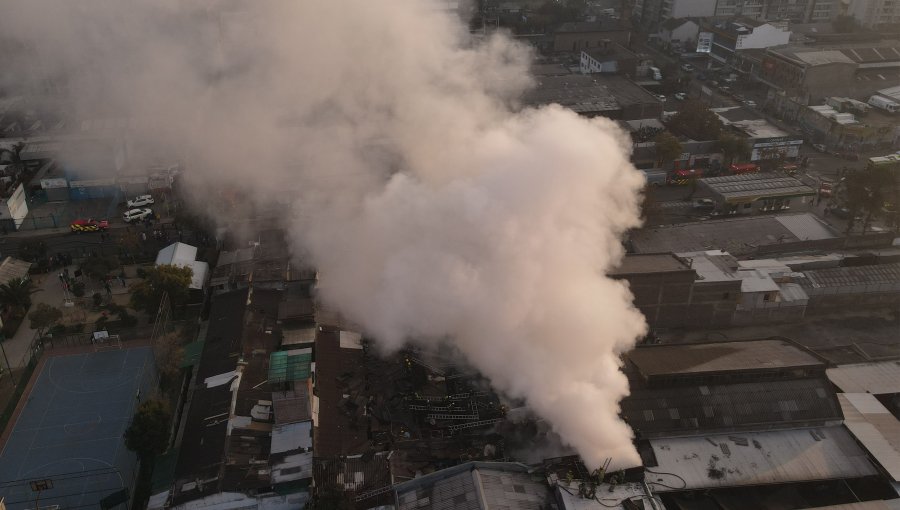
[719, 357]
[816, 58]
[754, 186]
[290, 365]
[298, 336]
[875, 427]
[710, 408]
[873, 278]
[756, 459]
[11, 269]
[291, 406]
[806, 227]
[876, 378]
[292, 436]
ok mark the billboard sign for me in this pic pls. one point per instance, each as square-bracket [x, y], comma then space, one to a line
[704, 42]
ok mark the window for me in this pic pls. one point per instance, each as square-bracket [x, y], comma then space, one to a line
[748, 205]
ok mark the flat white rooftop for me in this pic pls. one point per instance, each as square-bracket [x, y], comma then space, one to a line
[759, 458]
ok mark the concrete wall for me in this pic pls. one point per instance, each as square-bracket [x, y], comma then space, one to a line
[876, 240]
[835, 303]
[769, 315]
[15, 206]
[577, 41]
[673, 300]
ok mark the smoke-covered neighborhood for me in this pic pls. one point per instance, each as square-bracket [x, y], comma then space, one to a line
[561, 254]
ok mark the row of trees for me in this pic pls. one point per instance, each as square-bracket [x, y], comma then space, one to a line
[668, 147]
[871, 193]
[695, 120]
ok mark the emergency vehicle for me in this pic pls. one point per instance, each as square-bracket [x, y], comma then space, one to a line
[683, 177]
[743, 168]
[90, 225]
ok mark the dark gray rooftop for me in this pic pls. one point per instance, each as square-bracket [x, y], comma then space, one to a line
[579, 93]
[662, 360]
[709, 408]
[586, 93]
[738, 236]
[650, 263]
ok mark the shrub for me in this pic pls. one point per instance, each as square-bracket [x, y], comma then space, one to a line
[78, 289]
[98, 299]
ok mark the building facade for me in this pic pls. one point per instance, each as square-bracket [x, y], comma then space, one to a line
[731, 37]
[874, 13]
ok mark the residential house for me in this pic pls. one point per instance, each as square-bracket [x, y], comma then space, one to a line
[609, 58]
[679, 31]
[739, 34]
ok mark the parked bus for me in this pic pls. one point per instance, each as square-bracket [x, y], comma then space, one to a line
[743, 168]
[684, 177]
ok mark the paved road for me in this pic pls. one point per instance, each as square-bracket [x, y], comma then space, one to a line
[83, 244]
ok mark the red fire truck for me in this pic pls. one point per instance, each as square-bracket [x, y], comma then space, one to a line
[743, 168]
[683, 177]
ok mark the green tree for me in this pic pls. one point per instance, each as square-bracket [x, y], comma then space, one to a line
[865, 194]
[148, 434]
[733, 147]
[99, 267]
[44, 317]
[175, 281]
[169, 353]
[16, 293]
[696, 120]
[667, 148]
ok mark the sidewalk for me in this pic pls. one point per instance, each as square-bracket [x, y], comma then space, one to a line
[53, 294]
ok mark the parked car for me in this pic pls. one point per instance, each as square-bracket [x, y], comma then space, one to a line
[819, 147]
[88, 225]
[140, 201]
[750, 103]
[133, 215]
[687, 68]
[704, 204]
[661, 97]
[681, 96]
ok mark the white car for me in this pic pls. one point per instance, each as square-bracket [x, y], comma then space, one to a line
[133, 215]
[681, 96]
[750, 104]
[661, 97]
[140, 201]
[687, 68]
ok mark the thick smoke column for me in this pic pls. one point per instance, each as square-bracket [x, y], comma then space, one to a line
[433, 211]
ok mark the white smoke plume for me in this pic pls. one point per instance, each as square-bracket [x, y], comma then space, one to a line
[432, 208]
